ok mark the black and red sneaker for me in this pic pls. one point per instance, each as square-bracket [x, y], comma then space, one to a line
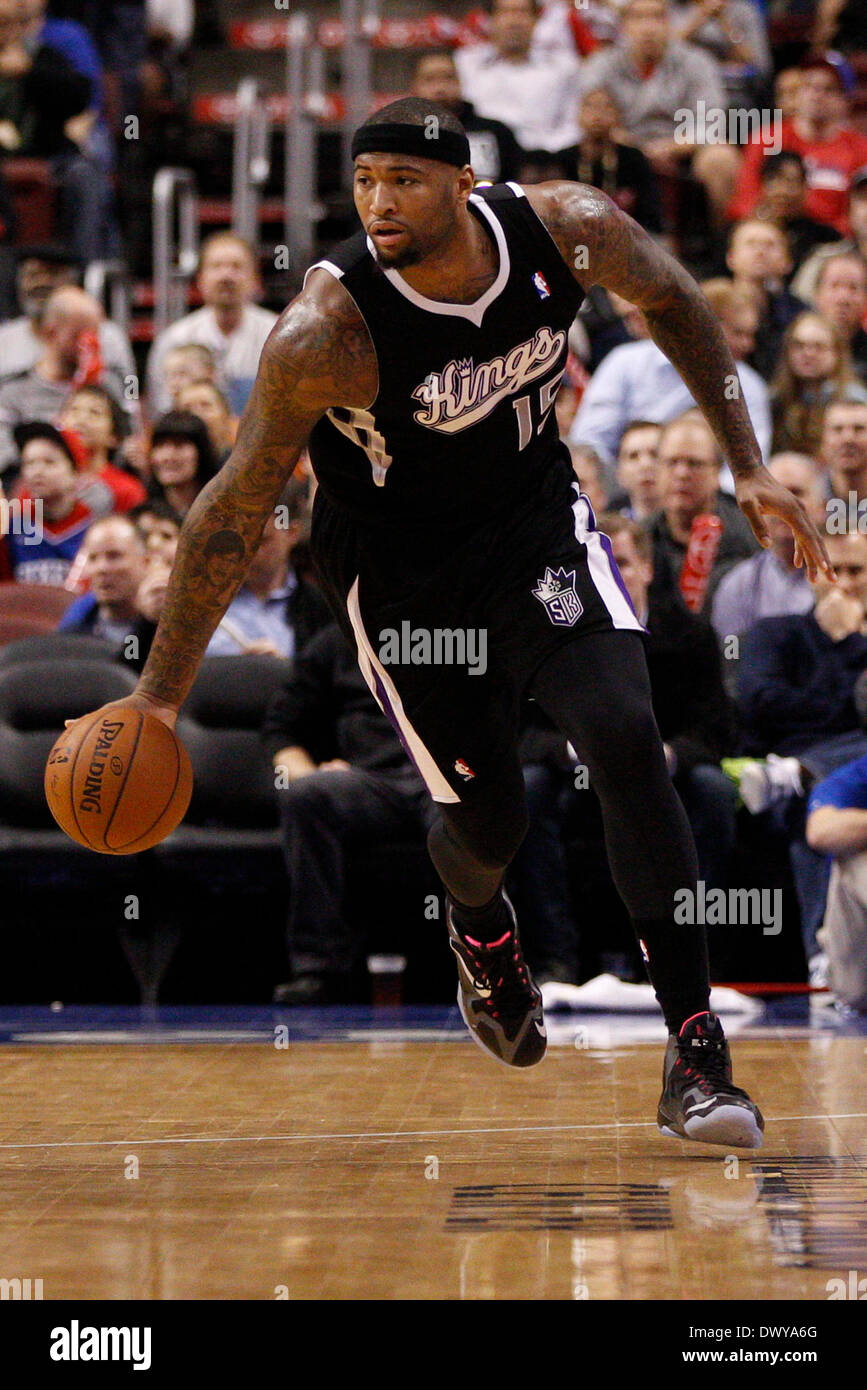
[497, 998]
[698, 1099]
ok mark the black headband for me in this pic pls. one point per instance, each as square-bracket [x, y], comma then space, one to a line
[428, 141]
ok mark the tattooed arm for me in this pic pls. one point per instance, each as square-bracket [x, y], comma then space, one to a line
[602, 246]
[319, 355]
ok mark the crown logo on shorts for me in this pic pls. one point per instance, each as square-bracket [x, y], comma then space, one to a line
[557, 592]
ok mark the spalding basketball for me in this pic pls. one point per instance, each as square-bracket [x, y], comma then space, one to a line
[118, 781]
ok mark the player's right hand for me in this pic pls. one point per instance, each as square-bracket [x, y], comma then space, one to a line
[137, 700]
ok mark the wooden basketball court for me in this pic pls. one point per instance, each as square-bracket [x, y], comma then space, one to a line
[371, 1161]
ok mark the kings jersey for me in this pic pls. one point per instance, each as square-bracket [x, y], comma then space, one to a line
[463, 423]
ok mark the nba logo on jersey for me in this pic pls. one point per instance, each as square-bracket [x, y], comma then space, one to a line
[557, 592]
[464, 769]
[542, 288]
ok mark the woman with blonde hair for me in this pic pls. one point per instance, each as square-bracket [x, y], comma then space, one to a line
[814, 366]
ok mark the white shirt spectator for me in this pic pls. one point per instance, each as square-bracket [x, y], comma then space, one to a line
[236, 356]
[760, 587]
[636, 381]
[537, 98]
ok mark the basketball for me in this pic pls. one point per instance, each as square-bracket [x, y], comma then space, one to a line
[118, 781]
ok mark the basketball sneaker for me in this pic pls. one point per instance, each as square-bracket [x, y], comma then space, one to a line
[698, 1099]
[496, 996]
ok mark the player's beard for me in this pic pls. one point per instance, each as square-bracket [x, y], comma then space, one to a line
[411, 255]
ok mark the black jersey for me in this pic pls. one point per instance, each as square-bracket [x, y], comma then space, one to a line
[463, 424]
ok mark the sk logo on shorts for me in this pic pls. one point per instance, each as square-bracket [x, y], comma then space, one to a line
[557, 592]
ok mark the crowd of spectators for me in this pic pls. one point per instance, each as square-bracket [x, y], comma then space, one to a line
[755, 175]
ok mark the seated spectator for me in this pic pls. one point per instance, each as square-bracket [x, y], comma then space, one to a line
[70, 356]
[606, 322]
[655, 79]
[804, 283]
[689, 470]
[534, 94]
[732, 32]
[637, 382]
[638, 471]
[837, 826]
[187, 365]
[114, 567]
[590, 472]
[344, 783]
[119, 30]
[758, 260]
[782, 200]
[787, 85]
[622, 171]
[49, 478]
[843, 450]
[95, 417]
[572, 387]
[796, 687]
[40, 271]
[160, 527]
[839, 25]
[274, 612]
[206, 400]
[495, 154]
[561, 27]
[841, 297]
[40, 92]
[768, 584]
[819, 131]
[181, 459]
[90, 129]
[230, 324]
[814, 368]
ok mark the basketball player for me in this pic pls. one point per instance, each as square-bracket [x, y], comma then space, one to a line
[419, 365]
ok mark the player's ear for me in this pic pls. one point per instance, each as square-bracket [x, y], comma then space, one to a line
[466, 183]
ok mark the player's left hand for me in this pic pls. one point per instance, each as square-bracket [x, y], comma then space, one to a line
[760, 495]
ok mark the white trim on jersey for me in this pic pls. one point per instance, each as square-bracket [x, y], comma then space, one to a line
[516, 189]
[378, 678]
[475, 312]
[324, 265]
[361, 429]
[599, 565]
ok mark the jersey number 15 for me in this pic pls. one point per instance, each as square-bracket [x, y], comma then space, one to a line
[523, 408]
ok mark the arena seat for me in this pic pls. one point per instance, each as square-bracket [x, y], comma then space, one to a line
[63, 904]
[222, 870]
[32, 189]
[26, 609]
[55, 646]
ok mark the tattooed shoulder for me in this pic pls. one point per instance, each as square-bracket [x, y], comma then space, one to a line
[602, 245]
[321, 350]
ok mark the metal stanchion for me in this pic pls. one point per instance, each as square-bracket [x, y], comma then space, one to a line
[305, 88]
[251, 160]
[176, 243]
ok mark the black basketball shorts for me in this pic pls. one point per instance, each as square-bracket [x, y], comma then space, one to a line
[449, 645]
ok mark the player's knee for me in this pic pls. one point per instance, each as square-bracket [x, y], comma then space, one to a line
[635, 752]
[490, 841]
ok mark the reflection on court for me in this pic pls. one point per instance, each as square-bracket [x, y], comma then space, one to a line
[401, 1164]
